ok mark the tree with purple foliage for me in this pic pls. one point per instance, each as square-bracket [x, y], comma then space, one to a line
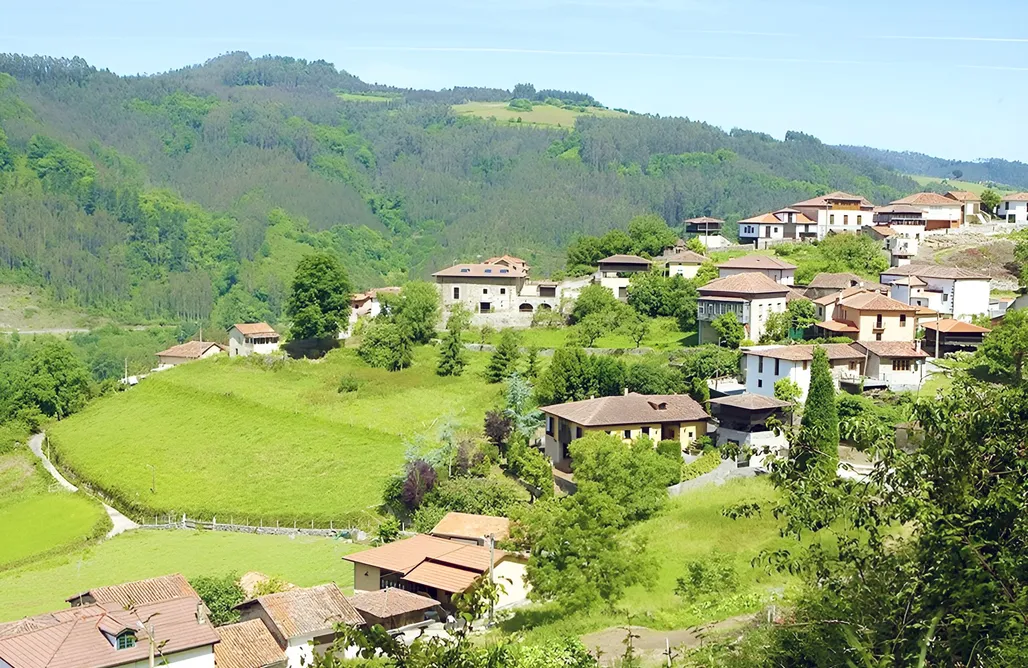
[419, 481]
[498, 427]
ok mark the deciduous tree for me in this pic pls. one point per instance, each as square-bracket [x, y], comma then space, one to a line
[319, 303]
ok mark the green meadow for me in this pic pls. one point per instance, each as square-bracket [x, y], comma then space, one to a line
[301, 560]
[244, 440]
[541, 114]
[37, 517]
[663, 335]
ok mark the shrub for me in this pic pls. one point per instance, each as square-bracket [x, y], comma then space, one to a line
[220, 594]
[426, 517]
[479, 496]
[706, 463]
[347, 384]
[418, 482]
[531, 466]
[388, 531]
[520, 105]
[713, 575]
[472, 459]
[272, 585]
[671, 449]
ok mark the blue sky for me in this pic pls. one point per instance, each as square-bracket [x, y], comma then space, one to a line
[946, 78]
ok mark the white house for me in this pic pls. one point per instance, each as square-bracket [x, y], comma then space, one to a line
[952, 291]
[1014, 208]
[837, 212]
[752, 296]
[683, 263]
[615, 271]
[777, 270]
[708, 231]
[742, 420]
[939, 212]
[302, 621]
[765, 229]
[252, 338]
[971, 204]
[898, 364]
[763, 366]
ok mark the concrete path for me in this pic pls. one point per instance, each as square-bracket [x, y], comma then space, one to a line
[120, 523]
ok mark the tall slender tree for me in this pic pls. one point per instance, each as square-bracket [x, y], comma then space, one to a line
[819, 429]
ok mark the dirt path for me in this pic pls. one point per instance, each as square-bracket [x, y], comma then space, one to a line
[120, 523]
[650, 645]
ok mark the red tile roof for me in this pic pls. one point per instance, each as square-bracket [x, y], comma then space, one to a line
[875, 301]
[247, 645]
[1016, 197]
[770, 218]
[840, 326]
[758, 262]
[891, 349]
[684, 257]
[926, 199]
[403, 556]
[302, 611]
[466, 525]
[963, 196]
[481, 270]
[390, 602]
[703, 219]
[190, 350]
[747, 284]
[629, 409]
[442, 576]
[751, 402]
[837, 196]
[140, 592]
[951, 326]
[933, 271]
[835, 351]
[625, 259]
[254, 328]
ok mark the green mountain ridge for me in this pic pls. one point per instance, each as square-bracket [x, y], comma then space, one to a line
[191, 195]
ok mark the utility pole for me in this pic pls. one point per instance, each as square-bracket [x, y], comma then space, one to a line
[492, 583]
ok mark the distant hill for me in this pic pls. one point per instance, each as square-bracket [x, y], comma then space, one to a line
[993, 170]
[191, 195]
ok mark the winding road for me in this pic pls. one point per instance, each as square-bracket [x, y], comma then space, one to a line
[120, 523]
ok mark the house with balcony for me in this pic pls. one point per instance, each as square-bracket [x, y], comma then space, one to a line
[745, 420]
[252, 338]
[774, 268]
[940, 213]
[959, 293]
[837, 212]
[866, 315]
[763, 366]
[896, 365]
[615, 271]
[708, 230]
[768, 228]
[663, 417]
[1013, 208]
[752, 296]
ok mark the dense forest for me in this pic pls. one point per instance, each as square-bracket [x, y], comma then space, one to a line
[993, 170]
[191, 195]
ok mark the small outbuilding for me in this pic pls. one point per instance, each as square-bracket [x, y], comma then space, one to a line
[252, 338]
[948, 336]
[393, 608]
[190, 351]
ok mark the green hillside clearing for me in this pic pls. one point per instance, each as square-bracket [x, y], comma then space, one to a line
[36, 517]
[302, 560]
[239, 438]
[975, 188]
[664, 335]
[367, 97]
[541, 114]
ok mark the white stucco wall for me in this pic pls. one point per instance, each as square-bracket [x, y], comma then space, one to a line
[685, 270]
[199, 657]
[970, 297]
[845, 220]
[1019, 211]
[511, 574]
[762, 382]
[757, 442]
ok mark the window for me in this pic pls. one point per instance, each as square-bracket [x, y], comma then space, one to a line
[853, 366]
[760, 365]
[777, 370]
[456, 293]
[126, 640]
[858, 219]
[549, 425]
[628, 433]
[578, 432]
[465, 270]
[831, 219]
[503, 291]
[900, 365]
[903, 319]
[760, 383]
[804, 365]
[485, 291]
[646, 431]
[878, 321]
[878, 336]
[845, 219]
[945, 296]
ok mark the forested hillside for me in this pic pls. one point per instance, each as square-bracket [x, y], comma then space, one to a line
[993, 170]
[191, 195]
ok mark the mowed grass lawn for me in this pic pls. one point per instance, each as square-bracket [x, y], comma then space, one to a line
[541, 114]
[36, 516]
[303, 560]
[241, 440]
[691, 528]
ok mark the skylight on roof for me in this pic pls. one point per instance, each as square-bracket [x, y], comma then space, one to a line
[464, 270]
[488, 271]
[504, 271]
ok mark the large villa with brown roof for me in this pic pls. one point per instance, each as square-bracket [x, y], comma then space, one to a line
[837, 212]
[672, 417]
[939, 212]
[615, 271]
[866, 315]
[778, 225]
[752, 296]
[496, 291]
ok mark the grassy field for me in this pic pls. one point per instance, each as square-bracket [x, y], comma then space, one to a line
[664, 335]
[952, 184]
[36, 517]
[137, 555]
[26, 309]
[691, 528]
[238, 439]
[367, 97]
[541, 114]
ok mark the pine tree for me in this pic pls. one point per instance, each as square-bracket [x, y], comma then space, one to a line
[532, 363]
[819, 433]
[504, 361]
[451, 356]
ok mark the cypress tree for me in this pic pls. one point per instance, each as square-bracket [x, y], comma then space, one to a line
[532, 363]
[451, 356]
[819, 432]
[504, 361]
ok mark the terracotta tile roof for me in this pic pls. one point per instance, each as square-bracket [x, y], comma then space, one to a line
[951, 326]
[704, 219]
[466, 525]
[756, 262]
[835, 351]
[770, 218]
[191, 350]
[837, 196]
[481, 270]
[629, 409]
[684, 257]
[751, 402]
[794, 295]
[963, 196]
[442, 576]
[842, 281]
[625, 259]
[508, 260]
[390, 602]
[254, 328]
[403, 556]
[1015, 197]
[247, 645]
[933, 271]
[138, 593]
[840, 326]
[883, 230]
[75, 639]
[912, 281]
[889, 349]
[833, 297]
[926, 199]
[303, 611]
[748, 283]
[875, 301]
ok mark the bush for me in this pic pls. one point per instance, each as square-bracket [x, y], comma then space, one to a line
[426, 517]
[706, 463]
[531, 466]
[419, 480]
[478, 496]
[388, 531]
[472, 459]
[272, 585]
[714, 575]
[220, 594]
[520, 105]
[671, 449]
[347, 384]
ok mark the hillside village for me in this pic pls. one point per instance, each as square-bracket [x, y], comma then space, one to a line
[462, 538]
